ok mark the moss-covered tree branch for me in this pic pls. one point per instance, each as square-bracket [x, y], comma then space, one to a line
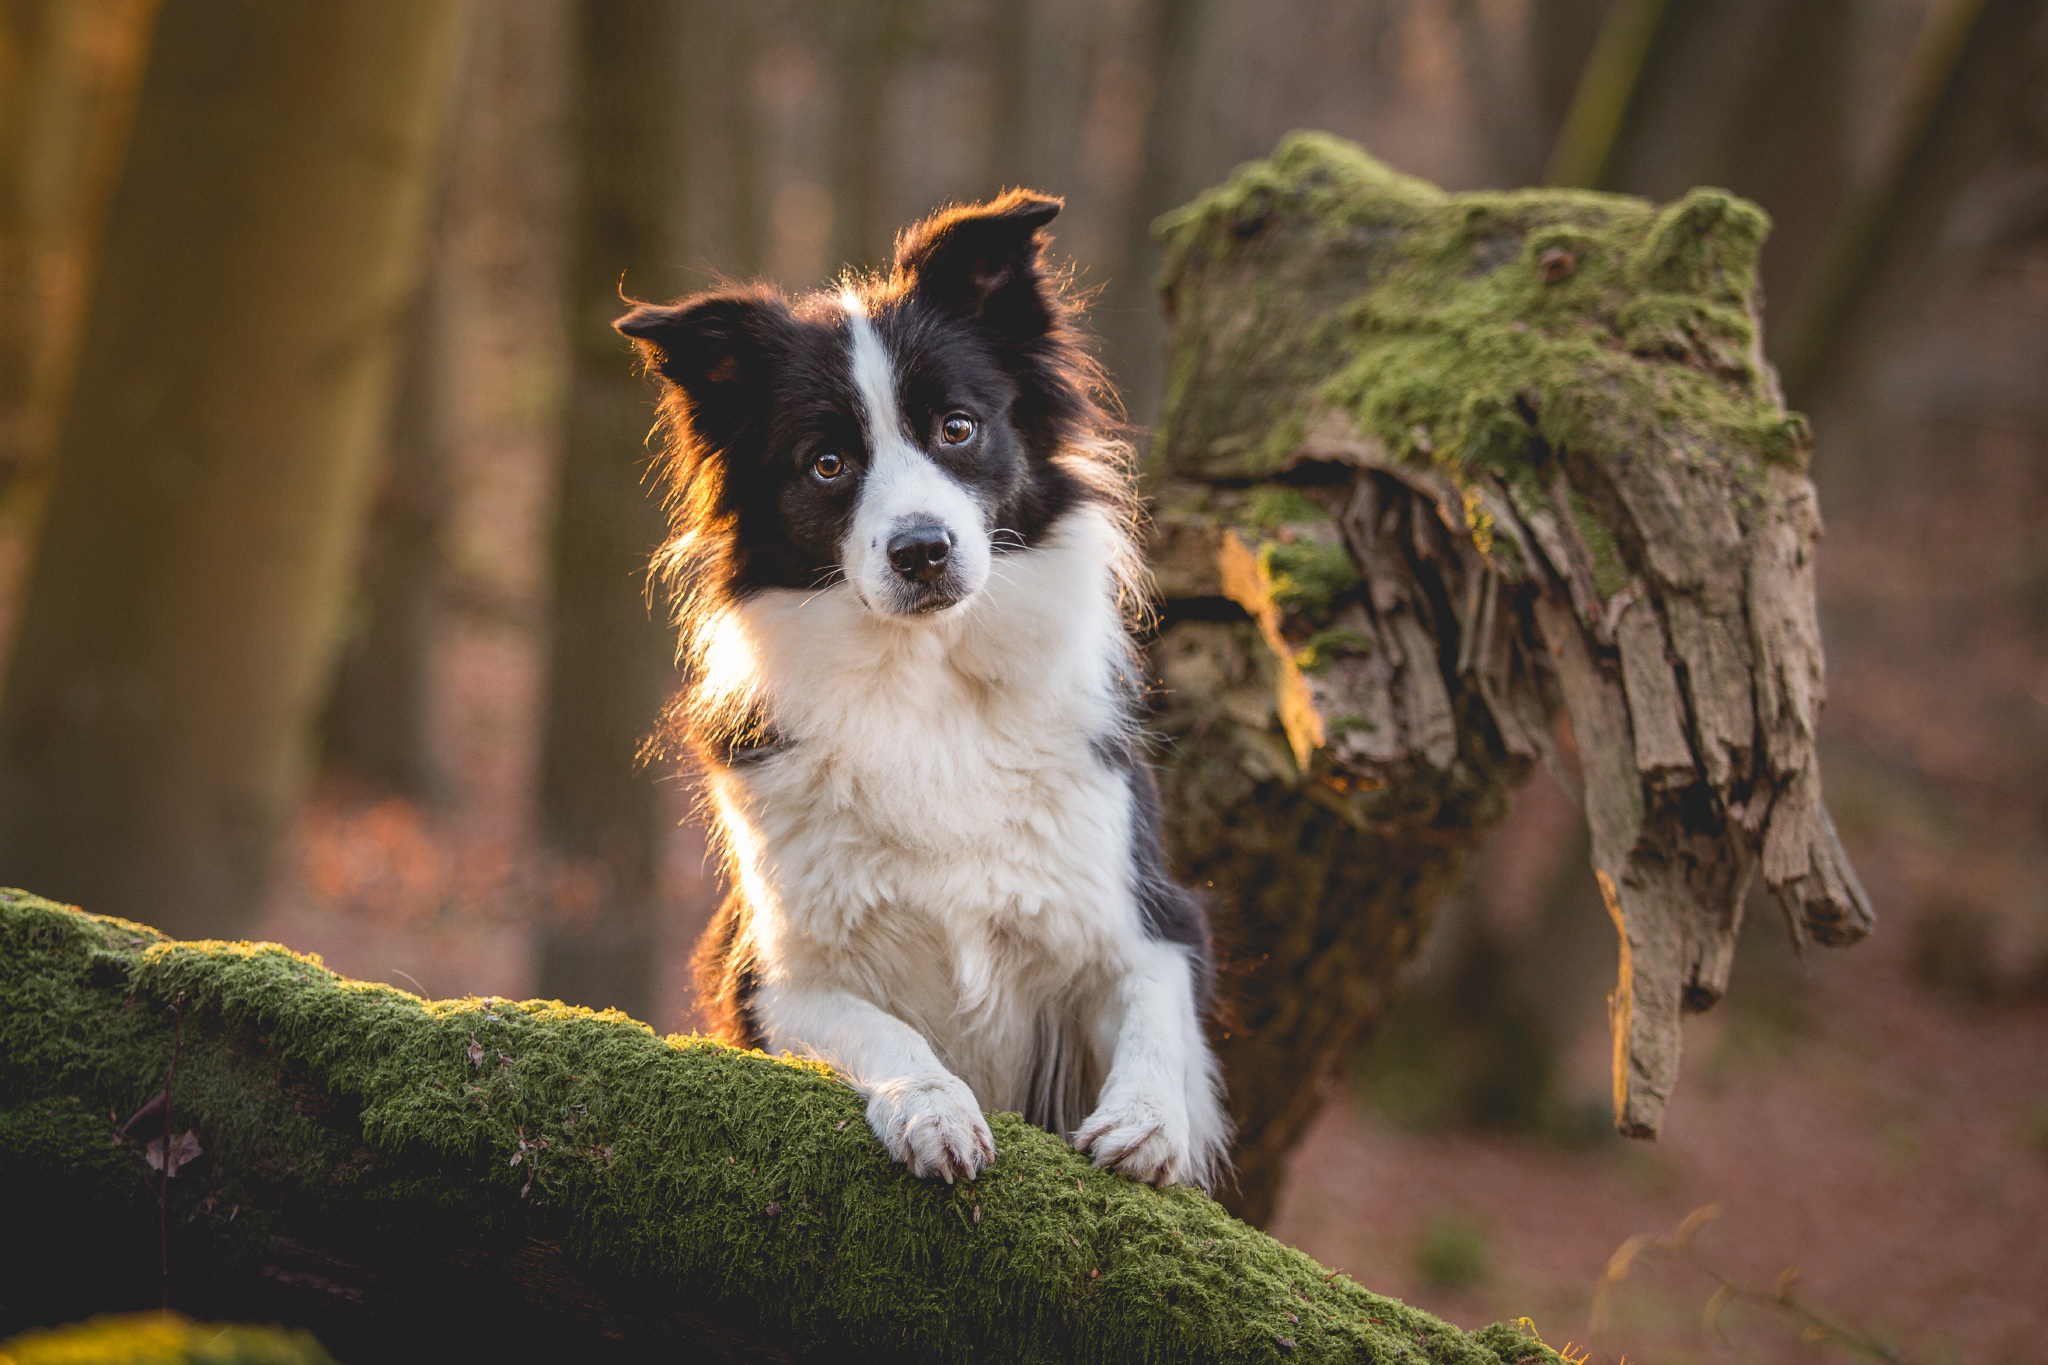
[1471, 465]
[415, 1178]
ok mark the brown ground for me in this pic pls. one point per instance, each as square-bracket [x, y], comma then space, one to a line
[1893, 1148]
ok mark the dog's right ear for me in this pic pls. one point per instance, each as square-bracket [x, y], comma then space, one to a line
[720, 349]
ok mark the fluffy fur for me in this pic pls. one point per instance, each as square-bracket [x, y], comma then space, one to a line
[904, 569]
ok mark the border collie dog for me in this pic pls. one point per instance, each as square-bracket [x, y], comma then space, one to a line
[904, 571]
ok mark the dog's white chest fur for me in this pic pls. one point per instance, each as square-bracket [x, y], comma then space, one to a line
[941, 832]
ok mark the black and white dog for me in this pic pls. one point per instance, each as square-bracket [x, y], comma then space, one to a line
[904, 567]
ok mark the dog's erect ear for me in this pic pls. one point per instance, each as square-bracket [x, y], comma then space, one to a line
[721, 349]
[981, 261]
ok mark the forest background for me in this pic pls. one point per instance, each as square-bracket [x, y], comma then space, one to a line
[358, 659]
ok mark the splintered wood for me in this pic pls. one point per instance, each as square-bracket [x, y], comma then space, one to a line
[1591, 517]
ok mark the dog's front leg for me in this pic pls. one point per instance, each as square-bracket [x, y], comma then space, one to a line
[1160, 1117]
[925, 1116]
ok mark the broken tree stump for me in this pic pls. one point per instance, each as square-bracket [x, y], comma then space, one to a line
[1435, 473]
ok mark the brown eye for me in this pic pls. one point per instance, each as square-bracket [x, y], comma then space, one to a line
[956, 429]
[828, 466]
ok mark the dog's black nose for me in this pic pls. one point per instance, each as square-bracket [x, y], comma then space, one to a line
[919, 553]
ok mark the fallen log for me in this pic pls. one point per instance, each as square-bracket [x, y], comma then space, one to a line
[1439, 476]
[411, 1179]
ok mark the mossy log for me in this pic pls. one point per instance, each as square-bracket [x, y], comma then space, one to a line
[418, 1180]
[1463, 467]
[161, 1339]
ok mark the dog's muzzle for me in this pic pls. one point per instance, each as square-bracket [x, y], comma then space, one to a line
[921, 553]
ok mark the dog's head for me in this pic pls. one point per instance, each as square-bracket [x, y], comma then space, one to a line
[902, 431]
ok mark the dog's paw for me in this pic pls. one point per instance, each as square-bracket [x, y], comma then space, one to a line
[1143, 1137]
[934, 1127]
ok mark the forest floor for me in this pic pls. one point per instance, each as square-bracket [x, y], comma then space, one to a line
[1889, 1143]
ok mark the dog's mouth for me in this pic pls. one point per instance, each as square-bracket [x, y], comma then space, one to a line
[927, 601]
[906, 599]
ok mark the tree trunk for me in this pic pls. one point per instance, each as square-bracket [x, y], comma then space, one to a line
[70, 71]
[416, 1181]
[215, 461]
[1752, 96]
[1126, 316]
[611, 654]
[379, 717]
[1462, 466]
[870, 40]
[1963, 108]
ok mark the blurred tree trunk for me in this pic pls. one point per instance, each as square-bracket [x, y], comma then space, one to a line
[215, 460]
[70, 71]
[611, 654]
[872, 38]
[1520, 70]
[1964, 107]
[1127, 317]
[377, 721]
[1749, 95]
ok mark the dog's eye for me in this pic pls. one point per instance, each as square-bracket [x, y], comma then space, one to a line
[956, 429]
[828, 466]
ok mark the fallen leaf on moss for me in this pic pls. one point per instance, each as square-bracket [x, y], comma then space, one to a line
[185, 1150]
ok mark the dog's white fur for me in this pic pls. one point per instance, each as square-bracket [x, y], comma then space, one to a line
[902, 486]
[939, 862]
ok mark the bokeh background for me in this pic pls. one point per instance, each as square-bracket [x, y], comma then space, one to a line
[323, 519]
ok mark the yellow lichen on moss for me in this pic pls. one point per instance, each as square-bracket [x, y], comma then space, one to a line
[161, 1339]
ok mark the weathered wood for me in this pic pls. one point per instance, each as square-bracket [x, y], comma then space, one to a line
[1475, 465]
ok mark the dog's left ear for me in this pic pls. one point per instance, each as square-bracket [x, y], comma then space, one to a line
[981, 261]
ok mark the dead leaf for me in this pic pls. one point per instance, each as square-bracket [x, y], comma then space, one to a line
[518, 1157]
[476, 1051]
[185, 1150]
[977, 1213]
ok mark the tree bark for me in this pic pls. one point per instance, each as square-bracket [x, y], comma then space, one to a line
[379, 717]
[70, 72]
[1464, 467]
[611, 654]
[1961, 109]
[417, 1180]
[216, 458]
[1752, 96]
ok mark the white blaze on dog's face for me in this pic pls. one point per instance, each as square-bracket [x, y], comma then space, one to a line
[919, 541]
[897, 436]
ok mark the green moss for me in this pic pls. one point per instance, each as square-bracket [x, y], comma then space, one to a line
[1470, 330]
[1325, 647]
[1273, 505]
[1610, 571]
[1305, 576]
[161, 1339]
[679, 1161]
